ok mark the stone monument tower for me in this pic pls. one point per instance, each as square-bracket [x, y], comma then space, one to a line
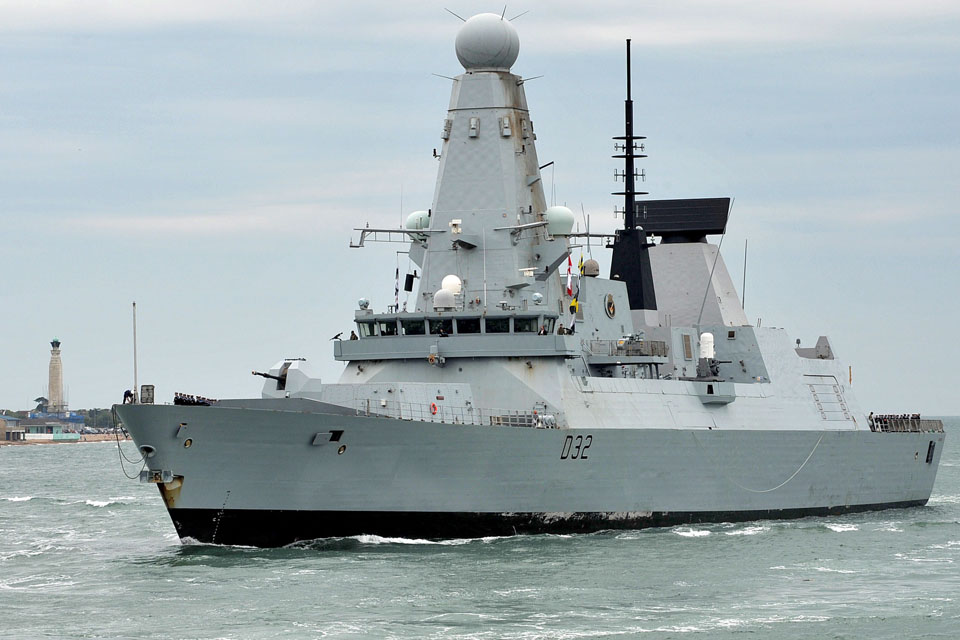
[55, 392]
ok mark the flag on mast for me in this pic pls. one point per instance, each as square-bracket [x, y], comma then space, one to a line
[569, 275]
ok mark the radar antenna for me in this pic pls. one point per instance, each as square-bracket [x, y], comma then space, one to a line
[629, 149]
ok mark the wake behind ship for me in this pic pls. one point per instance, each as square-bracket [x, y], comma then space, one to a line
[524, 393]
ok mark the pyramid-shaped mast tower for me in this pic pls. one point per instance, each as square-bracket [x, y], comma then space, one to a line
[489, 194]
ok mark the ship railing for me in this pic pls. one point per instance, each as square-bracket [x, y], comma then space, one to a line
[440, 412]
[905, 425]
[654, 348]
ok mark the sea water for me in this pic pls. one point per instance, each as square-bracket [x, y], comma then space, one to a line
[87, 553]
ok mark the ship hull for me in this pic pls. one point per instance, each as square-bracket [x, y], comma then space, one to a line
[271, 528]
[271, 477]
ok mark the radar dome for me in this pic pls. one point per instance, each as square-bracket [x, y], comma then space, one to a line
[443, 299]
[487, 41]
[559, 220]
[591, 268]
[452, 284]
[418, 220]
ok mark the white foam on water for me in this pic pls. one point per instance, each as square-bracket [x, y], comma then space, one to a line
[943, 560]
[747, 531]
[842, 528]
[829, 570]
[948, 545]
[809, 619]
[689, 628]
[373, 539]
[521, 591]
[19, 498]
[729, 623]
[36, 583]
[107, 502]
[691, 533]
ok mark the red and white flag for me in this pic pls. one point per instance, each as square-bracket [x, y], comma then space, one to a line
[569, 275]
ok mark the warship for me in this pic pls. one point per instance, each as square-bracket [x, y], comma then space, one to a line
[522, 392]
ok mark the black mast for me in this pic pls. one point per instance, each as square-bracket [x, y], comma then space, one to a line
[631, 262]
[629, 149]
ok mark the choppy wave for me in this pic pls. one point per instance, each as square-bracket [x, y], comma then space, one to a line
[90, 502]
[748, 531]
[690, 532]
[18, 498]
[841, 527]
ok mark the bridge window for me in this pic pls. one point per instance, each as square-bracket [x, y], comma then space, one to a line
[498, 325]
[413, 327]
[441, 326]
[525, 325]
[388, 327]
[367, 329]
[468, 325]
[548, 324]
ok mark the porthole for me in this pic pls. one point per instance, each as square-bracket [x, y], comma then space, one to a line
[342, 448]
[187, 443]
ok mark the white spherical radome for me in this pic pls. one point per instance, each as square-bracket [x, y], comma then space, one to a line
[487, 41]
[451, 283]
[559, 220]
[444, 299]
[418, 220]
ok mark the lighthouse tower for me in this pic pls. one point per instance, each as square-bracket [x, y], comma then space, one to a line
[56, 404]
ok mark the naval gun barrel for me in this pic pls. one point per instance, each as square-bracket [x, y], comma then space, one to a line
[267, 375]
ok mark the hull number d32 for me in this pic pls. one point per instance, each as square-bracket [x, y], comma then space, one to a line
[575, 447]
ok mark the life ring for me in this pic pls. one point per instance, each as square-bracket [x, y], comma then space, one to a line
[433, 408]
[432, 358]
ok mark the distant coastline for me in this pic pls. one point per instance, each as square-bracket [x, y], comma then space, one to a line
[86, 437]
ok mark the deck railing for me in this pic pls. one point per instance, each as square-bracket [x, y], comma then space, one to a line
[890, 424]
[655, 348]
[439, 412]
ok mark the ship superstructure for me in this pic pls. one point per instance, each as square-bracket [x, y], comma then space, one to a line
[525, 393]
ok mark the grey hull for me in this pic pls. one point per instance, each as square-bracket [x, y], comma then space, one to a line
[299, 473]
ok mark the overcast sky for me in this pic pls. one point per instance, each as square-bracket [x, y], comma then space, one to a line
[209, 160]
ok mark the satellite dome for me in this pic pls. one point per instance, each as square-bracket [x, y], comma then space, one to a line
[418, 220]
[443, 299]
[591, 268]
[452, 284]
[487, 41]
[559, 220]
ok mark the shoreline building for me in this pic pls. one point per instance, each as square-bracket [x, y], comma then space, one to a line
[51, 420]
[55, 393]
